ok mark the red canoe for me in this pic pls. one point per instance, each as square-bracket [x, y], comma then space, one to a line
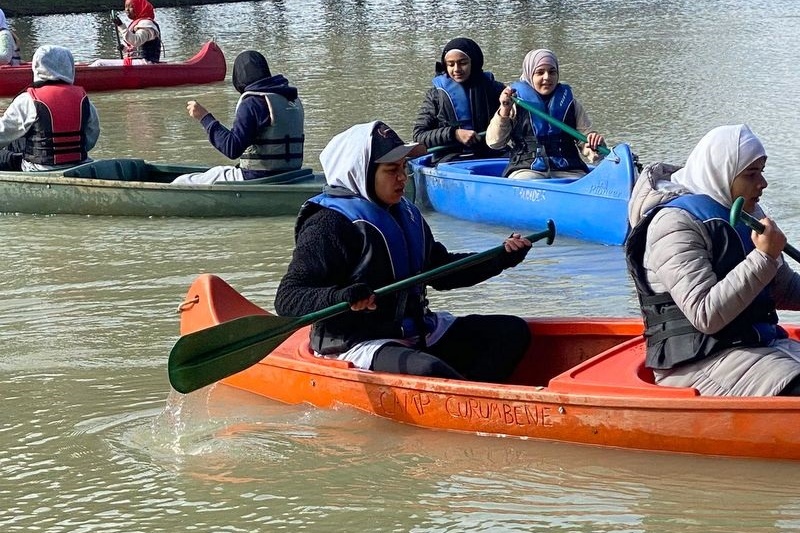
[582, 381]
[207, 66]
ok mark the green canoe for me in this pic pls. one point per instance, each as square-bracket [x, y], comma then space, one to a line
[134, 187]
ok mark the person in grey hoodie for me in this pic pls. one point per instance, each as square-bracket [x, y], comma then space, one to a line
[54, 117]
[709, 291]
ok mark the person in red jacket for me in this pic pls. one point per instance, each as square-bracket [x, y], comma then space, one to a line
[54, 117]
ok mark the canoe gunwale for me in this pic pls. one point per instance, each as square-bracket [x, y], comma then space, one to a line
[305, 365]
[53, 193]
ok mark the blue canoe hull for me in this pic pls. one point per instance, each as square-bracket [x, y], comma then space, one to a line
[593, 208]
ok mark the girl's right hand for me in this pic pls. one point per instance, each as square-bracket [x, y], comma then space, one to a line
[772, 241]
[506, 101]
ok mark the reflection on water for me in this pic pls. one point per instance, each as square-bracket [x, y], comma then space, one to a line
[92, 441]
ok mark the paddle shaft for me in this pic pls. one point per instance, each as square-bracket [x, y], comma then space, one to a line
[603, 150]
[753, 223]
[116, 33]
[429, 275]
[208, 355]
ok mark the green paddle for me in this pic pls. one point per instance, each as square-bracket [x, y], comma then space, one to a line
[754, 224]
[603, 150]
[209, 355]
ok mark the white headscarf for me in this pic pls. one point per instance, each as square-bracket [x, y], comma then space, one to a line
[721, 155]
[346, 157]
[3, 22]
[51, 63]
[533, 59]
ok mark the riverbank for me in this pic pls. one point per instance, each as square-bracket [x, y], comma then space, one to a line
[49, 7]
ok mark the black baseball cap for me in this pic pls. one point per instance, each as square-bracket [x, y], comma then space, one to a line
[388, 147]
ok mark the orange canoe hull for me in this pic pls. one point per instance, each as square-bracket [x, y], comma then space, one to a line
[582, 381]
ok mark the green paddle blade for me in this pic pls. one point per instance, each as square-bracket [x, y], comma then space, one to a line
[208, 355]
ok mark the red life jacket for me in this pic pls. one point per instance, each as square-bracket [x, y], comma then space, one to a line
[58, 136]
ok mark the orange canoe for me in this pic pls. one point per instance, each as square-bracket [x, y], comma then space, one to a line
[207, 66]
[582, 381]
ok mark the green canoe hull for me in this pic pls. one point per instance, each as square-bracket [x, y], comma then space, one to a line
[133, 187]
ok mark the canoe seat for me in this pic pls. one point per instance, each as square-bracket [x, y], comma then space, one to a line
[619, 371]
[484, 167]
[284, 178]
[305, 353]
[111, 169]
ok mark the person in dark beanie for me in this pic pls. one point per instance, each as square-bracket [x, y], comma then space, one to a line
[361, 234]
[267, 133]
[457, 109]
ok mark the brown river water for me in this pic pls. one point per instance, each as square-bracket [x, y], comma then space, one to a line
[91, 439]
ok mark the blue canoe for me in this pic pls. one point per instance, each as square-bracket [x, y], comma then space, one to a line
[592, 208]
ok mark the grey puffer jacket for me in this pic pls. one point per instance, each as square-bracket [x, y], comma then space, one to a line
[678, 259]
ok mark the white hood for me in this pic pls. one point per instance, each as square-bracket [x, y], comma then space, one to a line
[721, 155]
[53, 63]
[346, 157]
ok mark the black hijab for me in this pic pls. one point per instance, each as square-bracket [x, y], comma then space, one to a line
[481, 101]
[249, 67]
[469, 47]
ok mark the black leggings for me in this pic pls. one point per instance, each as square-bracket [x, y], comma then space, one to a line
[475, 347]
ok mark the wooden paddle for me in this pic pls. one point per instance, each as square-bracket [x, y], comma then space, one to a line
[603, 150]
[754, 224]
[209, 355]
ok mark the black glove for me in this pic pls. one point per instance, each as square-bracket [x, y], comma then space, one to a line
[512, 259]
[355, 293]
[117, 21]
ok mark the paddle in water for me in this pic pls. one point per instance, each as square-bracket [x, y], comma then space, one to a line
[602, 150]
[754, 224]
[209, 355]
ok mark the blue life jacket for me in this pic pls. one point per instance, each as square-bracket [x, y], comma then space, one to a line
[558, 150]
[458, 98]
[394, 247]
[403, 234]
